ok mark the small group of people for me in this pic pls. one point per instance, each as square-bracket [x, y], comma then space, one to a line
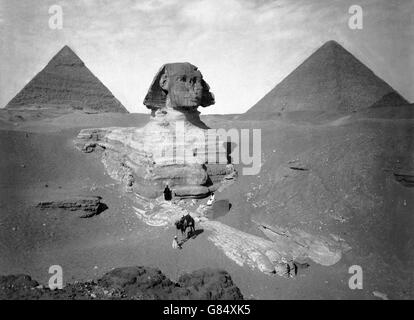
[187, 222]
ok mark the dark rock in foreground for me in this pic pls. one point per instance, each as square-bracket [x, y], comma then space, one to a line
[406, 178]
[14, 287]
[137, 283]
[90, 205]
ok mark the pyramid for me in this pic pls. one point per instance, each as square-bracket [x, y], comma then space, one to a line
[66, 82]
[330, 80]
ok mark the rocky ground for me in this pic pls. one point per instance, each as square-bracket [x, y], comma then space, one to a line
[332, 178]
[128, 283]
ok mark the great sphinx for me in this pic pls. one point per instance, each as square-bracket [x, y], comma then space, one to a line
[175, 148]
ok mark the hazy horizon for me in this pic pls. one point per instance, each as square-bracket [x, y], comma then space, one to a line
[243, 48]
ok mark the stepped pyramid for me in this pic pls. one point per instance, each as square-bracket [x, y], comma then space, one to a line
[66, 82]
[331, 79]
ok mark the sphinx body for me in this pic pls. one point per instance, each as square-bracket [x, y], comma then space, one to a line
[175, 148]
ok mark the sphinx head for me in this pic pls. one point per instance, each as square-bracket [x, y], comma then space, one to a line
[180, 85]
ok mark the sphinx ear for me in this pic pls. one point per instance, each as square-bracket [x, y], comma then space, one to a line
[164, 82]
[156, 95]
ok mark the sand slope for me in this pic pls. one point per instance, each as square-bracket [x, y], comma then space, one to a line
[348, 190]
[330, 80]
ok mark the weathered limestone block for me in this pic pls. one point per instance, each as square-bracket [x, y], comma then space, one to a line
[303, 245]
[248, 249]
[88, 205]
[191, 191]
[191, 175]
[280, 254]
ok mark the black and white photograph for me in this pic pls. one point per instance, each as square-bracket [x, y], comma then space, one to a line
[236, 150]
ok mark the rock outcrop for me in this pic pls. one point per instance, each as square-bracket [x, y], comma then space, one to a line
[88, 205]
[66, 84]
[175, 148]
[281, 253]
[406, 178]
[137, 283]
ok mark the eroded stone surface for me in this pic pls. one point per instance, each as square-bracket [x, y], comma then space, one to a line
[303, 245]
[250, 250]
[281, 253]
[174, 148]
[87, 205]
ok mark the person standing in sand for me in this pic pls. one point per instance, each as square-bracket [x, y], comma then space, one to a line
[167, 193]
[175, 243]
[211, 200]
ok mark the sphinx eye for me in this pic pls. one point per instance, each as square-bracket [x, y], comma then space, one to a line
[183, 78]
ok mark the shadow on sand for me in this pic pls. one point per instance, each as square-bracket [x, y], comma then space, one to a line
[193, 235]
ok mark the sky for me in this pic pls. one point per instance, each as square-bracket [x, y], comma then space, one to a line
[243, 48]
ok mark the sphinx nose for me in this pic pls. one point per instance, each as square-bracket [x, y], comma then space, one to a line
[197, 86]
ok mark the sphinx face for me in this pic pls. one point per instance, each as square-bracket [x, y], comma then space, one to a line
[185, 89]
[184, 84]
[178, 85]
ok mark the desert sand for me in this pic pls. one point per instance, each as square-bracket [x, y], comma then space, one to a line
[340, 175]
[375, 221]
